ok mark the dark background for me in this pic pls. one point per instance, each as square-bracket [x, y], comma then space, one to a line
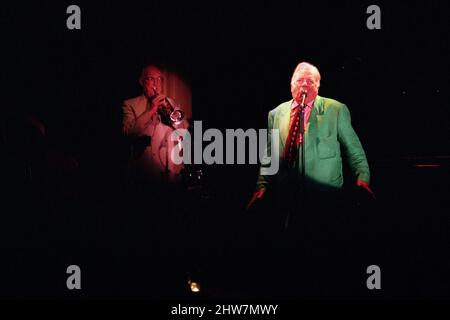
[239, 60]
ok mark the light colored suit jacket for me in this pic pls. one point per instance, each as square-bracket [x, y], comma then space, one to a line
[155, 163]
[328, 133]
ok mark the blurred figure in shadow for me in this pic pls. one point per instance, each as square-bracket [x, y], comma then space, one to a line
[316, 216]
[40, 190]
[36, 170]
[23, 179]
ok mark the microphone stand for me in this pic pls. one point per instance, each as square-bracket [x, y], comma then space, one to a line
[301, 132]
[301, 192]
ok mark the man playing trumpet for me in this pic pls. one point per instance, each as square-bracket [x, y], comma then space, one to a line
[143, 122]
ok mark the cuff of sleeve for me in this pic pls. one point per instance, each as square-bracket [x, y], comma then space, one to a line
[364, 177]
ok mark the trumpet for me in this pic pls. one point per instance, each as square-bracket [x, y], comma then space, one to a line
[170, 115]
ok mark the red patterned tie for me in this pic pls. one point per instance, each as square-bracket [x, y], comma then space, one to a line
[293, 139]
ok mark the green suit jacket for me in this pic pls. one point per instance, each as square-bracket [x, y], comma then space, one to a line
[329, 133]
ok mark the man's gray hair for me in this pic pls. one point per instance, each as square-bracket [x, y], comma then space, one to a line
[306, 65]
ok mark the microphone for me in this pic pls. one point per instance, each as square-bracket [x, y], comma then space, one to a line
[303, 98]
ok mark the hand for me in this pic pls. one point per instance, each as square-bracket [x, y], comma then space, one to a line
[365, 185]
[257, 195]
[158, 100]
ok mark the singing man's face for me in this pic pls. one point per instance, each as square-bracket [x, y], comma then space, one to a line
[152, 81]
[305, 80]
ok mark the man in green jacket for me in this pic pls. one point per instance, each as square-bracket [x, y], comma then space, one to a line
[328, 132]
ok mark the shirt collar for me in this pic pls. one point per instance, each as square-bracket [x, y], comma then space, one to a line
[295, 104]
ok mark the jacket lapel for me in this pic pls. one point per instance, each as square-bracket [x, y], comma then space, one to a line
[318, 105]
[314, 119]
[284, 119]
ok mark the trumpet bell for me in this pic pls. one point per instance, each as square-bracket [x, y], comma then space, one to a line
[171, 115]
[176, 117]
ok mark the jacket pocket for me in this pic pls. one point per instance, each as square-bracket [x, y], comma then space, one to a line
[326, 148]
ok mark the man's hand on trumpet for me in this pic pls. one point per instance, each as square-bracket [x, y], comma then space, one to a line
[158, 100]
